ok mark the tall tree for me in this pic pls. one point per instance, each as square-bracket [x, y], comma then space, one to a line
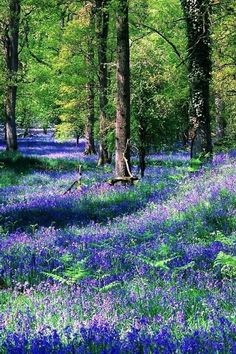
[122, 160]
[199, 54]
[102, 16]
[11, 57]
[89, 137]
[90, 87]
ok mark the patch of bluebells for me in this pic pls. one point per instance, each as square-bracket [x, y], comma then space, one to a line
[97, 339]
[38, 144]
[127, 302]
[138, 234]
[32, 203]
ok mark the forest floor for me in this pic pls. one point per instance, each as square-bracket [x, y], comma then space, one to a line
[148, 268]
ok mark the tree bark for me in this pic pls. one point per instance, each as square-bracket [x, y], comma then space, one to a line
[199, 51]
[12, 63]
[220, 121]
[102, 16]
[123, 91]
[89, 138]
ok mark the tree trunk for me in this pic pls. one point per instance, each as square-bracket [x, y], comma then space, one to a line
[89, 138]
[5, 132]
[89, 126]
[142, 162]
[102, 36]
[11, 60]
[10, 108]
[142, 133]
[122, 158]
[220, 121]
[197, 21]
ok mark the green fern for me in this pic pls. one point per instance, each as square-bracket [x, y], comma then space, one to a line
[186, 266]
[71, 275]
[66, 258]
[57, 278]
[227, 240]
[76, 273]
[162, 264]
[227, 264]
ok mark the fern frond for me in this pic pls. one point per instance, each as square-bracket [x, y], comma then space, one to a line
[227, 263]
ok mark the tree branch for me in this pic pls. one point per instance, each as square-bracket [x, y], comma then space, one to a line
[141, 37]
[39, 60]
[163, 36]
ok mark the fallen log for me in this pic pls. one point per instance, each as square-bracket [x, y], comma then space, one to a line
[123, 180]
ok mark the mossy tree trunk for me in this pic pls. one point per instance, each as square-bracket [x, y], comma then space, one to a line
[11, 57]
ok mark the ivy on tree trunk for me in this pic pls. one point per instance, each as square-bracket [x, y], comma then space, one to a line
[199, 55]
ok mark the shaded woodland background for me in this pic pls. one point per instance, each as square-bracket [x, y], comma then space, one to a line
[59, 67]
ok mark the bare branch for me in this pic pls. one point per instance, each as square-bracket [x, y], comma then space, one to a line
[125, 159]
[77, 183]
